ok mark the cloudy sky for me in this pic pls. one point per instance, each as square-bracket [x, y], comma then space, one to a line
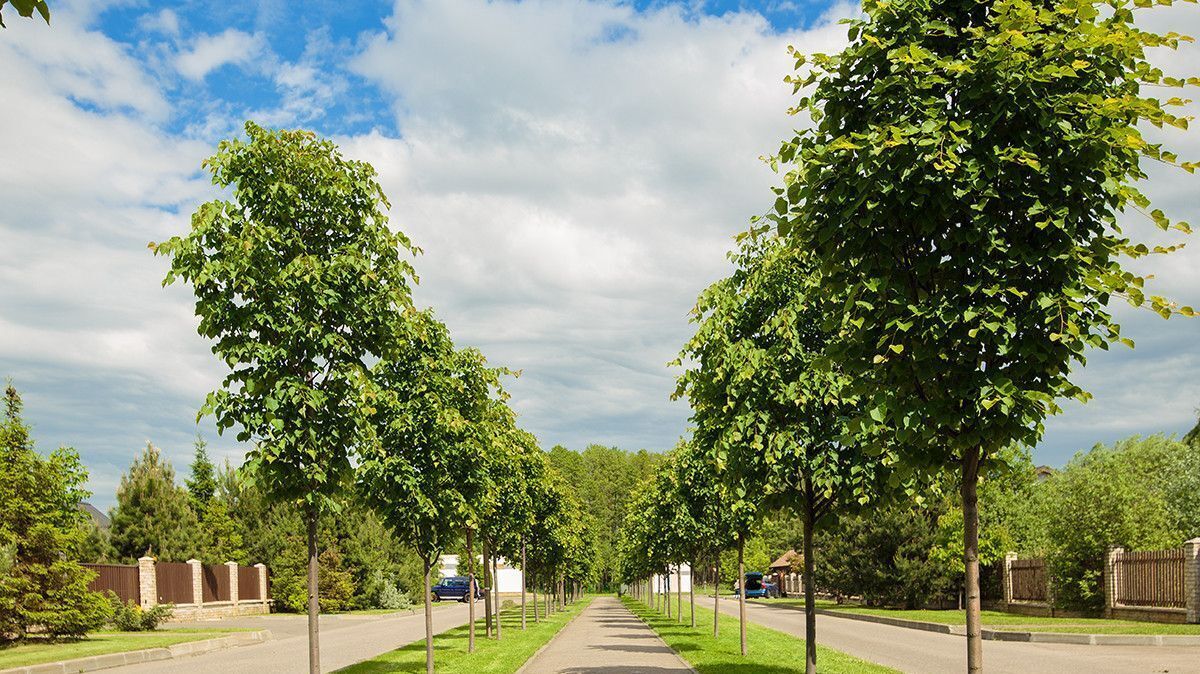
[574, 170]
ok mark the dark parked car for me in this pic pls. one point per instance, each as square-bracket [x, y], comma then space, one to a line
[454, 587]
[756, 588]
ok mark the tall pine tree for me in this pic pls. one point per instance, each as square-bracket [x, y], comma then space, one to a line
[153, 515]
[40, 586]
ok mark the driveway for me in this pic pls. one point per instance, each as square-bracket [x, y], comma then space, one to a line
[345, 640]
[917, 651]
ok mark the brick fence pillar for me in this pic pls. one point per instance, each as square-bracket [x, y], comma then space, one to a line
[147, 582]
[197, 581]
[233, 581]
[1191, 579]
[1112, 579]
[1007, 579]
[262, 582]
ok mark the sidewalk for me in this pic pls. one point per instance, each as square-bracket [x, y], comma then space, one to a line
[606, 639]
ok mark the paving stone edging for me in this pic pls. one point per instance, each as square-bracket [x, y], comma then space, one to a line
[1029, 637]
[95, 662]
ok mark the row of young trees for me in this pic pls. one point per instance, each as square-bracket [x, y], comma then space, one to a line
[342, 385]
[946, 247]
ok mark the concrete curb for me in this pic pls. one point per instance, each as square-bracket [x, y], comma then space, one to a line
[95, 662]
[525, 665]
[1028, 637]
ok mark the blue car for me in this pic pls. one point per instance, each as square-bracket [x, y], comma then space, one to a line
[755, 587]
[454, 587]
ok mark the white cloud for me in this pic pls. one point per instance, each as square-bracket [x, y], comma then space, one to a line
[165, 21]
[575, 172]
[209, 52]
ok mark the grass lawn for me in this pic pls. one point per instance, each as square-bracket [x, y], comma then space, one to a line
[1000, 620]
[771, 651]
[490, 657]
[35, 651]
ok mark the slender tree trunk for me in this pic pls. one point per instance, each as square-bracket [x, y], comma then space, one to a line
[471, 590]
[742, 592]
[428, 622]
[536, 618]
[717, 597]
[314, 602]
[679, 592]
[523, 567]
[488, 581]
[970, 499]
[810, 607]
[692, 590]
[667, 589]
[496, 589]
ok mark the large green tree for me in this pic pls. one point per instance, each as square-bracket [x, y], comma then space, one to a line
[426, 464]
[300, 284]
[40, 584]
[778, 413]
[153, 514]
[961, 188]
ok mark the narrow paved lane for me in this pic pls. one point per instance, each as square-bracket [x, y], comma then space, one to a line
[922, 652]
[345, 640]
[607, 639]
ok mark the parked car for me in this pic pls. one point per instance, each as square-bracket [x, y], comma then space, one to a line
[454, 587]
[755, 587]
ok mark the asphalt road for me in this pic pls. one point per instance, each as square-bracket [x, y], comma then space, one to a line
[921, 652]
[345, 640]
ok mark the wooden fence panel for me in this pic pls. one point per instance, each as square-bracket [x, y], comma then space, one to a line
[214, 582]
[248, 583]
[1153, 578]
[174, 582]
[119, 578]
[1029, 580]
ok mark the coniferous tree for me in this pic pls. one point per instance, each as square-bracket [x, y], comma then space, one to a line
[40, 585]
[202, 485]
[153, 514]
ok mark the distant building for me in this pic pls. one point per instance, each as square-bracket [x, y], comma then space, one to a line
[682, 578]
[98, 518]
[785, 573]
[508, 578]
[1044, 473]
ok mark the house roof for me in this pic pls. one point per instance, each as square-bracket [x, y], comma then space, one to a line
[785, 560]
[100, 519]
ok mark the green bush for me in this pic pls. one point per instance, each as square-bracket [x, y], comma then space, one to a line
[392, 597]
[129, 617]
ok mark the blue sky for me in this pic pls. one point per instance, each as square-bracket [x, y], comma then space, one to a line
[575, 171]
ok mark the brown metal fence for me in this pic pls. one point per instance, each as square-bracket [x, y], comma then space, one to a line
[174, 582]
[247, 583]
[1029, 580]
[119, 578]
[214, 582]
[1153, 578]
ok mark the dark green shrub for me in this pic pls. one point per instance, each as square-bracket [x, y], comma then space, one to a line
[129, 617]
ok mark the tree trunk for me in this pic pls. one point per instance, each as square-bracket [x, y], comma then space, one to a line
[667, 589]
[692, 590]
[679, 592]
[717, 597]
[970, 499]
[810, 607]
[536, 618]
[742, 593]
[523, 567]
[488, 581]
[471, 590]
[314, 605]
[496, 589]
[428, 623]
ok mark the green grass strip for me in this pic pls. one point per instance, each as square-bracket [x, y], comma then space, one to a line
[999, 620]
[771, 651]
[36, 650]
[490, 657]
